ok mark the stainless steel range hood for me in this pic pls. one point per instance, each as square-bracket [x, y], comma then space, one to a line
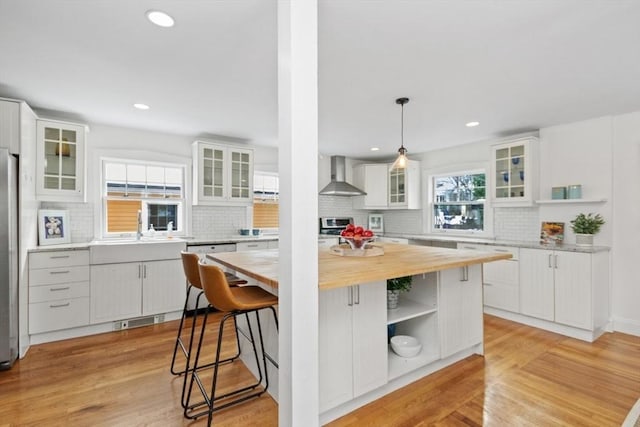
[338, 186]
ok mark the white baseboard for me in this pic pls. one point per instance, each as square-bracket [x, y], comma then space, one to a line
[86, 330]
[626, 326]
[581, 334]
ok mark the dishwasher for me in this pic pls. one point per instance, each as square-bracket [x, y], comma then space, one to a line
[202, 251]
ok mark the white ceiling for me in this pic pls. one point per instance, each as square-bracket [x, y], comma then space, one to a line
[512, 65]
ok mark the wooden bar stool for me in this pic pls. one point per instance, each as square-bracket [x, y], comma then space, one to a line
[233, 301]
[190, 266]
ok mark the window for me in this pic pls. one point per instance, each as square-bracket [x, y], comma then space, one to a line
[265, 200]
[458, 202]
[156, 190]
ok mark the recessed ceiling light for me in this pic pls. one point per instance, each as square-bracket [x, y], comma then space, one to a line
[472, 124]
[161, 19]
[141, 106]
[375, 149]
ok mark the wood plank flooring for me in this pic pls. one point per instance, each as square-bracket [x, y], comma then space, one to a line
[528, 377]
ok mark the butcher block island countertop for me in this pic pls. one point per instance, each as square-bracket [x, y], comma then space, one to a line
[338, 271]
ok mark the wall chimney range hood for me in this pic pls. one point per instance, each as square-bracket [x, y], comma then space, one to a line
[338, 186]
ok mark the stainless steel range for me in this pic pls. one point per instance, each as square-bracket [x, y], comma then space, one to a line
[334, 225]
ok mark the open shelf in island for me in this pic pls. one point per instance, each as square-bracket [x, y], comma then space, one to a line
[408, 309]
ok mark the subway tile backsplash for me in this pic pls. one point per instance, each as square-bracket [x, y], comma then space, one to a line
[516, 224]
[212, 222]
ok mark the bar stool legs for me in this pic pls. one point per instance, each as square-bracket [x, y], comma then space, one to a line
[187, 350]
[190, 410]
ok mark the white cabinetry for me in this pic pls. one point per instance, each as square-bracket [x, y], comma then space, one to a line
[404, 186]
[387, 188]
[58, 290]
[398, 240]
[501, 279]
[251, 246]
[60, 161]
[570, 288]
[353, 342]
[460, 308]
[132, 289]
[222, 174]
[514, 172]
[10, 126]
[372, 178]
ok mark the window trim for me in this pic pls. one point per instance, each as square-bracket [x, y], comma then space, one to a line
[466, 169]
[182, 203]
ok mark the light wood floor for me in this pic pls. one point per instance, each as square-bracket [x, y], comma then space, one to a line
[528, 377]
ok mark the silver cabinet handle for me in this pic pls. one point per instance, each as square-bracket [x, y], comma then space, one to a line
[501, 250]
[350, 297]
[60, 272]
[59, 305]
[59, 289]
[357, 298]
[139, 271]
[550, 266]
[59, 256]
[469, 247]
[253, 246]
[144, 271]
[555, 261]
[464, 273]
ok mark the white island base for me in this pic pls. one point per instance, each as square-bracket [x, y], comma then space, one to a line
[443, 310]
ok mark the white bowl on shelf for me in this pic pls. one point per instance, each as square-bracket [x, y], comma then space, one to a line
[405, 345]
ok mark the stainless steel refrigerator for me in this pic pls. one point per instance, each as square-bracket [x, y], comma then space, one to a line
[8, 259]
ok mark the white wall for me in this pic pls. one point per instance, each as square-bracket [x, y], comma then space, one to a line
[578, 153]
[625, 223]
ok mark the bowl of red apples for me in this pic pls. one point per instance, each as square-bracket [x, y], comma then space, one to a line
[357, 236]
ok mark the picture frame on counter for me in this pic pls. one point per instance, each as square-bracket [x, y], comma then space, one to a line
[53, 227]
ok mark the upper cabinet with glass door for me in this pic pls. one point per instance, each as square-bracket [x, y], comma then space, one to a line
[514, 173]
[61, 161]
[222, 174]
[404, 186]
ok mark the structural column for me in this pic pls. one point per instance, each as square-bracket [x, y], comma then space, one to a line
[298, 172]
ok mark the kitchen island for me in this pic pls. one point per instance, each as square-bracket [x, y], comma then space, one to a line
[443, 310]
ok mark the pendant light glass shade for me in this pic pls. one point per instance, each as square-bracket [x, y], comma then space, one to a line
[401, 161]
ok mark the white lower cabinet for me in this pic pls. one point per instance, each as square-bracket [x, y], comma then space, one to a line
[58, 290]
[125, 290]
[570, 288]
[501, 279]
[460, 308]
[353, 342]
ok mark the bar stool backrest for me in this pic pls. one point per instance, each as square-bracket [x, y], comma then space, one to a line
[190, 266]
[216, 288]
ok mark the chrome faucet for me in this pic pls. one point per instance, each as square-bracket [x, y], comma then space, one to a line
[139, 231]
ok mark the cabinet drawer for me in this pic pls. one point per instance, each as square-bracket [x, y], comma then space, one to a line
[57, 292]
[62, 314]
[397, 240]
[58, 259]
[51, 276]
[251, 246]
[502, 296]
[490, 248]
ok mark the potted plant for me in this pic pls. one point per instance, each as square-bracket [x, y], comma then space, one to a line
[394, 287]
[585, 226]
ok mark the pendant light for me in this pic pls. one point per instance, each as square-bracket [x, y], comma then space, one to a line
[401, 161]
